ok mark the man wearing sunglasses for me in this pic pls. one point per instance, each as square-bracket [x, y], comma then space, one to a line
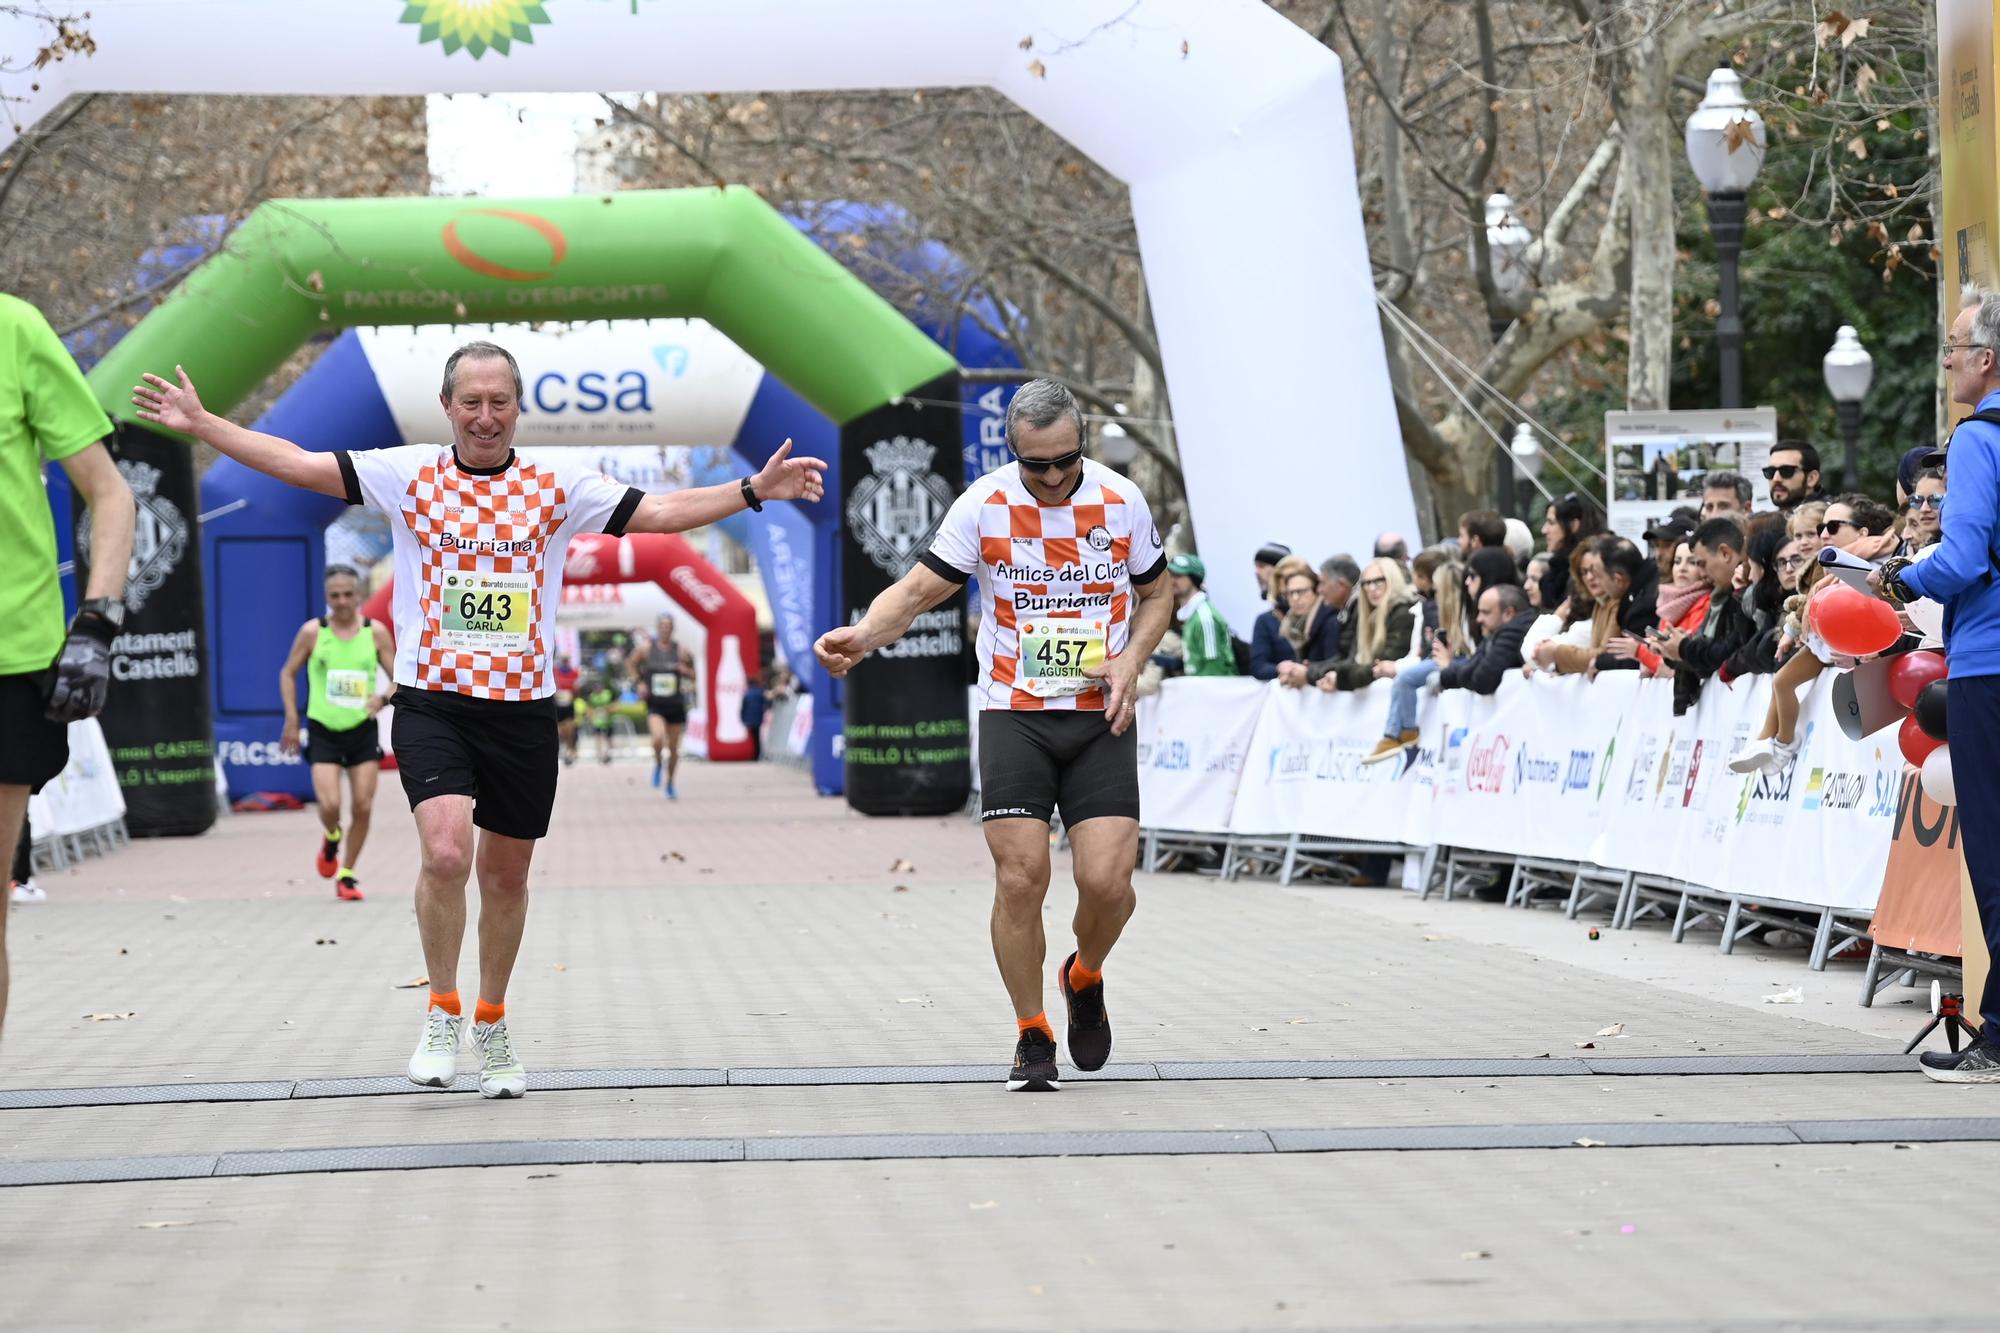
[1075, 573]
[1793, 475]
[1961, 573]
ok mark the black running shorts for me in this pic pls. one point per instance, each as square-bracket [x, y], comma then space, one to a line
[673, 708]
[1032, 764]
[349, 749]
[33, 749]
[502, 754]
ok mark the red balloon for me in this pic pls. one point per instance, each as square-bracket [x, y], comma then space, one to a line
[1854, 623]
[1915, 745]
[1909, 673]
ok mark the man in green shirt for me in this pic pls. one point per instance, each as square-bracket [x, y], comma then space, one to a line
[47, 679]
[340, 653]
[1205, 646]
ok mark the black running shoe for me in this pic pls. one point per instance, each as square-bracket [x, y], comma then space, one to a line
[1034, 1064]
[1977, 1063]
[1089, 1026]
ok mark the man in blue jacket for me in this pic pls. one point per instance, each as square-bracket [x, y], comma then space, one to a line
[1961, 574]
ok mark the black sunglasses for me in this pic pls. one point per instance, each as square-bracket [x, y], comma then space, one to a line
[1060, 463]
[1788, 471]
[1833, 525]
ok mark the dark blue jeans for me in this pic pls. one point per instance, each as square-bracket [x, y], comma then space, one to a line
[1973, 713]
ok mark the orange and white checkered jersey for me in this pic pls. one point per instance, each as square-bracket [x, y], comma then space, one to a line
[1056, 581]
[478, 560]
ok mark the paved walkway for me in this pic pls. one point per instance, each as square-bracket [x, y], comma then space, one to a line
[767, 1041]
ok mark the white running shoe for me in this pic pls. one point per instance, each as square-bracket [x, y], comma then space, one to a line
[501, 1073]
[435, 1063]
[1755, 757]
[30, 892]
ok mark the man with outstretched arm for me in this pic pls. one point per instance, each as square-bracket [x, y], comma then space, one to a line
[1069, 556]
[479, 535]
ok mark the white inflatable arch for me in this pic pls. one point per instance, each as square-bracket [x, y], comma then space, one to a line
[1228, 123]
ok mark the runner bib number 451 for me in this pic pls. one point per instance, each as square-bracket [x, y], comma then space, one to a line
[349, 688]
[1056, 653]
[486, 613]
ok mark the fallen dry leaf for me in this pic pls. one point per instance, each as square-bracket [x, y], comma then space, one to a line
[1040, 71]
[112, 1018]
[1584, 1045]
[1294, 1022]
[162, 1226]
[1588, 1143]
[902, 867]
[1028, 42]
[1477, 1254]
[412, 984]
[560, 967]
[900, 888]
[1611, 1031]
[982, 1207]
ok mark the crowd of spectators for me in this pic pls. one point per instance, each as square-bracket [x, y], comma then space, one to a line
[1714, 590]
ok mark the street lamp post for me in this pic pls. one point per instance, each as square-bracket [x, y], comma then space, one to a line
[1725, 146]
[1849, 370]
[1507, 242]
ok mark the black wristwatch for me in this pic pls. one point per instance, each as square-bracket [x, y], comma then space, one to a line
[750, 496]
[111, 610]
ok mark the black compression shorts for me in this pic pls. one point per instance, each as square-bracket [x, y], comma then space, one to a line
[349, 749]
[1033, 763]
[503, 754]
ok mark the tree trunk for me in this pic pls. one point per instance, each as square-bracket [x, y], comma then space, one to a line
[1649, 171]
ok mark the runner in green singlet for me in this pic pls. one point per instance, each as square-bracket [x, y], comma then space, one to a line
[340, 653]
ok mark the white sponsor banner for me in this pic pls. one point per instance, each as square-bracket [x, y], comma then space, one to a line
[1593, 772]
[85, 795]
[1304, 771]
[1193, 737]
[1529, 785]
[1821, 828]
[645, 381]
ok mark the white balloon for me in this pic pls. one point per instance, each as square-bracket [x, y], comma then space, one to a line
[1936, 777]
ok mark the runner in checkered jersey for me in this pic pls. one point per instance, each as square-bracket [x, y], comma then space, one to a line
[479, 539]
[1070, 567]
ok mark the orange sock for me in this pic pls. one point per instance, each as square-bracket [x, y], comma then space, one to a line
[1081, 976]
[488, 1013]
[1041, 1021]
[447, 1002]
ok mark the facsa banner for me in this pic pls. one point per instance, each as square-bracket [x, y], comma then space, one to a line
[1594, 772]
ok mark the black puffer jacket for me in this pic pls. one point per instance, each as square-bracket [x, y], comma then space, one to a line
[1704, 654]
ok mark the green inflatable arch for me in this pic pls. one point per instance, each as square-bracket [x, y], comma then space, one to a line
[303, 267]
[298, 269]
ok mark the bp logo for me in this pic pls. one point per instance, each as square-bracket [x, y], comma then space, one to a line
[159, 538]
[476, 26]
[897, 507]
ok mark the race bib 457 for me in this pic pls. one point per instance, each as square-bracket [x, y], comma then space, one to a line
[1055, 654]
